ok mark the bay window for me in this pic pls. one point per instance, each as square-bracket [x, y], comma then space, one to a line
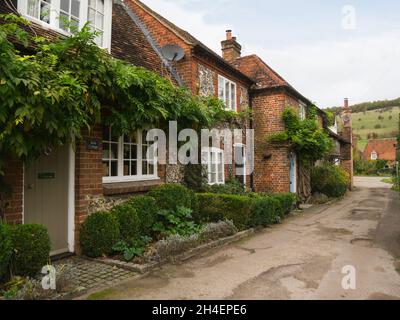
[63, 15]
[227, 92]
[213, 159]
[126, 158]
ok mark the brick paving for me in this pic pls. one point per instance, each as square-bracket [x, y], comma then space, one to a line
[78, 275]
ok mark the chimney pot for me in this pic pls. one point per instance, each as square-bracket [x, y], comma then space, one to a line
[231, 49]
[346, 102]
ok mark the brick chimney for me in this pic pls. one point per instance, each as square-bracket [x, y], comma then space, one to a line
[231, 49]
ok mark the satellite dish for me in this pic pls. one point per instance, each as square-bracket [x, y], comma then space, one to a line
[172, 52]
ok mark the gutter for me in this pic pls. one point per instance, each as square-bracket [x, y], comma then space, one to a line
[152, 42]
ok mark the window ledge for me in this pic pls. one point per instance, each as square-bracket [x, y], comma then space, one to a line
[117, 188]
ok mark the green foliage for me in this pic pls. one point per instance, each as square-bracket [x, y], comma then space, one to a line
[308, 140]
[218, 207]
[31, 249]
[99, 233]
[128, 221]
[173, 195]
[231, 186]
[287, 201]
[146, 209]
[5, 250]
[368, 106]
[370, 167]
[265, 211]
[330, 180]
[195, 177]
[136, 248]
[48, 97]
[179, 221]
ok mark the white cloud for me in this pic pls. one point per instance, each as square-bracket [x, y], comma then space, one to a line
[361, 68]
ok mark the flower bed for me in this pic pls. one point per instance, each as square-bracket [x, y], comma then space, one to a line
[171, 220]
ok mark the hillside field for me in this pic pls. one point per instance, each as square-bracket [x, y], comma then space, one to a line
[383, 122]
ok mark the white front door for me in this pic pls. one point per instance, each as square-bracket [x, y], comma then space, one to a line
[293, 173]
[47, 196]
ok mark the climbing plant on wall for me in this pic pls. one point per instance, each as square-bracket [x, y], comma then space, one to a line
[62, 86]
[308, 140]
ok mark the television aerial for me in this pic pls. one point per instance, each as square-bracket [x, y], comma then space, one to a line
[173, 52]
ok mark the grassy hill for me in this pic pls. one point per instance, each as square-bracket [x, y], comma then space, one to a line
[376, 124]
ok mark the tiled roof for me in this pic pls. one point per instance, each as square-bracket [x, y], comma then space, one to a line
[128, 43]
[191, 40]
[385, 148]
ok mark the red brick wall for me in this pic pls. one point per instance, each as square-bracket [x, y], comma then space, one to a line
[13, 202]
[88, 177]
[271, 162]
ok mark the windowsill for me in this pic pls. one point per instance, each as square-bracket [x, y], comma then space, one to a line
[119, 188]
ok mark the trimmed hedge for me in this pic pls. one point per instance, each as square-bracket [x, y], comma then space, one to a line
[5, 250]
[265, 211]
[146, 208]
[31, 249]
[219, 207]
[244, 211]
[171, 196]
[287, 201]
[99, 233]
[128, 222]
[330, 180]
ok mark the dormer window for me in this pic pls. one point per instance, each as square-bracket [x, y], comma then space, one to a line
[374, 155]
[62, 15]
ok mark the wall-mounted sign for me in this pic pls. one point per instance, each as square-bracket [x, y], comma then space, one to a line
[46, 175]
[92, 145]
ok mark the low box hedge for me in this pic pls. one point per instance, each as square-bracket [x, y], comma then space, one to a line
[31, 249]
[5, 250]
[251, 210]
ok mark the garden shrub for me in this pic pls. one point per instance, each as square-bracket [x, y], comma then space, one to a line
[99, 233]
[5, 250]
[146, 209]
[179, 221]
[232, 186]
[287, 201]
[31, 249]
[173, 195]
[330, 180]
[265, 211]
[128, 222]
[217, 230]
[215, 207]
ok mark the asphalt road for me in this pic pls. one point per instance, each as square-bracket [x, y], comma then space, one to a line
[303, 258]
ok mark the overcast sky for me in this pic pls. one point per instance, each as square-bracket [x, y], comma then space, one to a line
[327, 50]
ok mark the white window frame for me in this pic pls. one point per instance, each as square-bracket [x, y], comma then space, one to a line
[243, 146]
[374, 155]
[302, 110]
[207, 162]
[230, 104]
[140, 158]
[83, 18]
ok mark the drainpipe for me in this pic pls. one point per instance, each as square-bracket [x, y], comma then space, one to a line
[251, 127]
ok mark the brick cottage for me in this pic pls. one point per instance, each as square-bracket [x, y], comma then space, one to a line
[63, 186]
